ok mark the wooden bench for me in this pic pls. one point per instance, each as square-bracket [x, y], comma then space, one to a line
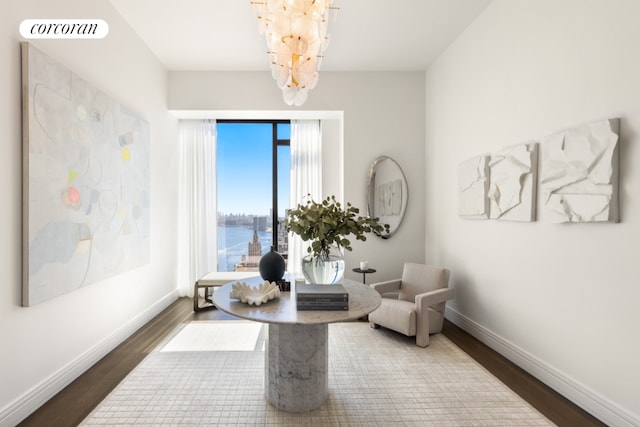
[213, 280]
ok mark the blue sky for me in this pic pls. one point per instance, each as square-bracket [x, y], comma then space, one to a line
[244, 169]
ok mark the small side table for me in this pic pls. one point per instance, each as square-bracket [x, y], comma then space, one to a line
[364, 273]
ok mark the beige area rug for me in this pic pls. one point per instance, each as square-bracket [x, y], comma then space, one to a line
[376, 378]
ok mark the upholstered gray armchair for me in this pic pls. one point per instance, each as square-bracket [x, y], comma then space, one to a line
[413, 305]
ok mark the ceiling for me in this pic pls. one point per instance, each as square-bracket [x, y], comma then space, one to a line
[366, 35]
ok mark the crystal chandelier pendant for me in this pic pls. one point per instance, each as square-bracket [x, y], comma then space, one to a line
[296, 35]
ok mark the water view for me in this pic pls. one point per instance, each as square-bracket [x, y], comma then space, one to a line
[233, 244]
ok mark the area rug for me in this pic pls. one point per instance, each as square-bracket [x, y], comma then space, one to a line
[376, 378]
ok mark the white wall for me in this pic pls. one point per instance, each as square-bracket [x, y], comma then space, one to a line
[383, 114]
[46, 345]
[562, 299]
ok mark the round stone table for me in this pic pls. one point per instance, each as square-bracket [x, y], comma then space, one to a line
[297, 354]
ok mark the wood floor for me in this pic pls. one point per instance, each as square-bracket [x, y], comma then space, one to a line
[76, 401]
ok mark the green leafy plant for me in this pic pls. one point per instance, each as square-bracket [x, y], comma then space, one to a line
[327, 223]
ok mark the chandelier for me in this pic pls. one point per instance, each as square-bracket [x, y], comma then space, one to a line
[296, 34]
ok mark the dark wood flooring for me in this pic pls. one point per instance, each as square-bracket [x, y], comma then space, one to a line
[78, 399]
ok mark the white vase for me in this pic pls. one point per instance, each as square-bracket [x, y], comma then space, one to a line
[325, 269]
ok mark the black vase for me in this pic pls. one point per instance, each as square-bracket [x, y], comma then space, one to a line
[272, 265]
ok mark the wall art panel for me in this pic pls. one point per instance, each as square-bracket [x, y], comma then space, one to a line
[473, 184]
[579, 173]
[86, 182]
[512, 183]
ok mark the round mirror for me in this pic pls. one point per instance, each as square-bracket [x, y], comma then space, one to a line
[387, 193]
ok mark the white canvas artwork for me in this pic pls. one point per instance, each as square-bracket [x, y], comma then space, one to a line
[579, 173]
[390, 198]
[512, 183]
[473, 184]
[86, 182]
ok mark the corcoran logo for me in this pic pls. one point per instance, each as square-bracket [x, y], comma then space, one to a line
[64, 29]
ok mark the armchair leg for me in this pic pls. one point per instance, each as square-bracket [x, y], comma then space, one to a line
[422, 334]
[422, 339]
[374, 325]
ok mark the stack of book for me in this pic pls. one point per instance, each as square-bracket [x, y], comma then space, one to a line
[321, 297]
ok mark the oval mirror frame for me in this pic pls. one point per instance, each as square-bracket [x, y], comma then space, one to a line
[387, 194]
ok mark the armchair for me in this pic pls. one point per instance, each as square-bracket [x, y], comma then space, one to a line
[413, 305]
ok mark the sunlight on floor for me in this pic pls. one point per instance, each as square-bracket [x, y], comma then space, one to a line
[216, 335]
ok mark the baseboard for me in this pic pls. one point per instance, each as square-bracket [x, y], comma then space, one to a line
[589, 400]
[25, 405]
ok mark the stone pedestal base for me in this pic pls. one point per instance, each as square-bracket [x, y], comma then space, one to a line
[297, 366]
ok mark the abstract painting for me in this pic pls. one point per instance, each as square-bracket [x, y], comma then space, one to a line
[579, 173]
[85, 182]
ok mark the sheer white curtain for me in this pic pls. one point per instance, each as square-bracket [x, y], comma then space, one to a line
[306, 178]
[197, 227]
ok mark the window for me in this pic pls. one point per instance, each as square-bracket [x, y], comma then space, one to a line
[253, 160]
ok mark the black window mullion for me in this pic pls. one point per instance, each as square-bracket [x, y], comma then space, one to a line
[274, 186]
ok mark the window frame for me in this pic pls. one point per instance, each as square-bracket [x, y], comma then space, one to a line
[275, 143]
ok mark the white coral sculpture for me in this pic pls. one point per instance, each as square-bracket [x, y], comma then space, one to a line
[255, 295]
